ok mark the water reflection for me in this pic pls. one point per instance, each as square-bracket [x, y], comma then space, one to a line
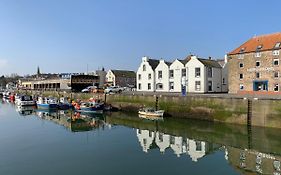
[179, 145]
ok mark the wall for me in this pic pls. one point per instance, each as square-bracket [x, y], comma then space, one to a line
[265, 113]
[177, 67]
[191, 65]
[144, 76]
[162, 66]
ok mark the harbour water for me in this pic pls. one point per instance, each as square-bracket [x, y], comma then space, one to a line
[64, 142]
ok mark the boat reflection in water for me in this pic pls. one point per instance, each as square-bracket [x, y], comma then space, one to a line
[74, 121]
[25, 110]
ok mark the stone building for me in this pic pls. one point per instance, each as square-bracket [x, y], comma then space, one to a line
[254, 66]
[122, 78]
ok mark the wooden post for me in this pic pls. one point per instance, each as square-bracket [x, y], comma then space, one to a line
[156, 103]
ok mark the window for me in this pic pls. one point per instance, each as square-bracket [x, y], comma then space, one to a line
[241, 87]
[276, 62]
[183, 72]
[159, 74]
[276, 75]
[139, 76]
[210, 72]
[275, 52]
[241, 56]
[149, 76]
[258, 54]
[197, 72]
[258, 75]
[223, 81]
[259, 48]
[276, 87]
[210, 86]
[258, 63]
[241, 65]
[198, 146]
[197, 85]
[139, 86]
[277, 45]
[241, 76]
[171, 85]
[171, 73]
[143, 68]
[159, 86]
[149, 86]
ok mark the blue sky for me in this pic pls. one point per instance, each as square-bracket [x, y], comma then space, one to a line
[66, 35]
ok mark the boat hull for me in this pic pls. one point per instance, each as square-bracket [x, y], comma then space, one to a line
[47, 106]
[64, 106]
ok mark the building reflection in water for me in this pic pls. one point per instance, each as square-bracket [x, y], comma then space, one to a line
[179, 145]
[253, 161]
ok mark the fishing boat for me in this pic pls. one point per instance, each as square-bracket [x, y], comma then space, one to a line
[150, 112]
[90, 107]
[64, 104]
[24, 100]
[47, 103]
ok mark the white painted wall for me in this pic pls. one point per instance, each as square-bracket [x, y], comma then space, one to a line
[225, 75]
[110, 77]
[191, 65]
[144, 76]
[162, 66]
[177, 67]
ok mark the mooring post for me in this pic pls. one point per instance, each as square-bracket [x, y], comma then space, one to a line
[156, 103]
[104, 98]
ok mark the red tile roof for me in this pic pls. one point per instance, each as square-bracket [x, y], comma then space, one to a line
[267, 42]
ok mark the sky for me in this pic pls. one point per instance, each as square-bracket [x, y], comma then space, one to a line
[71, 35]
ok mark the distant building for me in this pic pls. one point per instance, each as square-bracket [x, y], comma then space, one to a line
[102, 77]
[254, 67]
[123, 78]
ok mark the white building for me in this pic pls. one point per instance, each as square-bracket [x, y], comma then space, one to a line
[192, 75]
[146, 74]
[162, 76]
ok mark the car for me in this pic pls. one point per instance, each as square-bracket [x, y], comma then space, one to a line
[88, 89]
[113, 89]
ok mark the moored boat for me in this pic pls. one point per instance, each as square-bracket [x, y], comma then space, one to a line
[64, 104]
[90, 107]
[24, 100]
[150, 112]
[47, 103]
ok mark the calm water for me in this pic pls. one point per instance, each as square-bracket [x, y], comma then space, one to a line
[51, 143]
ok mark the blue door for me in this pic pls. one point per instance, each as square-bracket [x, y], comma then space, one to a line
[260, 85]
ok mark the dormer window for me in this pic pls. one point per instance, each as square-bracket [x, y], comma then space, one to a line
[242, 50]
[277, 45]
[259, 47]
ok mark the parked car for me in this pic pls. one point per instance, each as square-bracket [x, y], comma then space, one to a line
[88, 89]
[113, 89]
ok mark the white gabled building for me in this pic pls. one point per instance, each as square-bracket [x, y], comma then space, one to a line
[146, 74]
[162, 76]
[204, 75]
[192, 75]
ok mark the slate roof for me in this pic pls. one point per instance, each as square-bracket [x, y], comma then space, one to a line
[153, 63]
[210, 63]
[259, 43]
[124, 73]
[184, 61]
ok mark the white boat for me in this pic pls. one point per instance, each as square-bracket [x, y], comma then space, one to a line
[47, 103]
[24, 100]
[151, 112]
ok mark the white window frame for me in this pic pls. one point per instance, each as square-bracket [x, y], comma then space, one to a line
[258, 54]
[259, 63]
[277, 73]
[170, 85]
[241, 87]
[275, 86]
[275, 52]
[258, 73]
[197, 86]
[241, 56]
[241, 64]
[199, 73]
[240, 76]
[275, 59]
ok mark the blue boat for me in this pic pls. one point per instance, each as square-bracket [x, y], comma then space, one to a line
[64, 104]
[90, 107]
[47, 103]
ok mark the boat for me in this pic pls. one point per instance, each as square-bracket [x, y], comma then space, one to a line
[47, 103]
[90, 107]
[24, 100]
[150, 112]
[64, 104]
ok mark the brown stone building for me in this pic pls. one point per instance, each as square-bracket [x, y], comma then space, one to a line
[254, 67]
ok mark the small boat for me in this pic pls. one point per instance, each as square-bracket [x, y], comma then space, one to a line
[64, 104]
[24, 100]
[47, 103]
[150, 112]
[90, 107]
